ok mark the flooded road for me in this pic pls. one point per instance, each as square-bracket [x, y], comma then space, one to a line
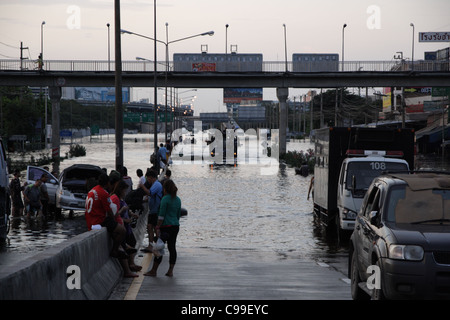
[230, 207]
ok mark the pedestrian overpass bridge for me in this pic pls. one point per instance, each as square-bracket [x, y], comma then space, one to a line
[279, 75]
[91, 73]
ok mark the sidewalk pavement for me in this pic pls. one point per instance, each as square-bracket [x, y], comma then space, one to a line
[208, 274]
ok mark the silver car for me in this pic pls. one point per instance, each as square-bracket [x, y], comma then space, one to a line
[74, 185]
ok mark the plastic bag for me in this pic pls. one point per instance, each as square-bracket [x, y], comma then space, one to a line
[158, 248]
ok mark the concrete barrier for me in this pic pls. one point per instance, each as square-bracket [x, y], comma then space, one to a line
[45, 276]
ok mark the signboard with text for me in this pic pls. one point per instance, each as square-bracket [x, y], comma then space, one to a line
[434, 36]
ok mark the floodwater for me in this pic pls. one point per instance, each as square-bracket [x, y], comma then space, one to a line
[229, 207]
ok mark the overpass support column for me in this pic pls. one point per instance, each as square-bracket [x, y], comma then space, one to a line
[55, 97]
[282, 95]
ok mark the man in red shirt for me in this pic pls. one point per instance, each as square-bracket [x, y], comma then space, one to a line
[100, 212]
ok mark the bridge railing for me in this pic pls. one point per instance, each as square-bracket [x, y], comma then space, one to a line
[267, 66]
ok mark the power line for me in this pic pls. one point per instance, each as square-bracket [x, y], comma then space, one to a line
[7, 56]
[8, 45]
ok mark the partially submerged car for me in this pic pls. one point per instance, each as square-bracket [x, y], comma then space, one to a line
[74, 185]
[70, 191]
[402, 233]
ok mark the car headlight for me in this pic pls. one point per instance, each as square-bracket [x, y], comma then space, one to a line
[406, 252]
[349, 214]
[65, 192]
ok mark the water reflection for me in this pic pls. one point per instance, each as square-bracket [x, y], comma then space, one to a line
[230, 207]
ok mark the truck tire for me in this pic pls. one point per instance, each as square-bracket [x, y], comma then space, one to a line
[357, 292]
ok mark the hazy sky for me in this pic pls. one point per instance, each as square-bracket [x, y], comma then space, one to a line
[376, 29]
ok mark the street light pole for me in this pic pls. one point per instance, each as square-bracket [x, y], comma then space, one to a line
[167, 71]
[412, 58]
[42, 40]
[118, 87]
[343, 34]
[109, 49]
[226, 39]
[209, 33]
[155, 85]
[285, 48]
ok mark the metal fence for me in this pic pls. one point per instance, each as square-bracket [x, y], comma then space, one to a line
[268, 66]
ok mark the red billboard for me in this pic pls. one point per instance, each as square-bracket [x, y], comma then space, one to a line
[203, 67]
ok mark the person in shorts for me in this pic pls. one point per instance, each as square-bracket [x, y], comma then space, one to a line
[155, 193]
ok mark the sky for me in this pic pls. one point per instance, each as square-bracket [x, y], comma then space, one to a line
[76, 30]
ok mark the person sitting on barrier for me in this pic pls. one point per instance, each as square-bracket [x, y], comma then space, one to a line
[101, 211]
[130, 241]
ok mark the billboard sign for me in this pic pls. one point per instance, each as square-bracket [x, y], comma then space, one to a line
[237, 95]
[434, 36]
[203, 67]
[104, 94]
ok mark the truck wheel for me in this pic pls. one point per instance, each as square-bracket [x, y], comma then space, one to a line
[357, 292]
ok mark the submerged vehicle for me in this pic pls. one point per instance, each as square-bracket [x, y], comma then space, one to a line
[74, 185]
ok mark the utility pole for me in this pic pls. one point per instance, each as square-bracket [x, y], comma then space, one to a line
[21, 54]
[118, 87]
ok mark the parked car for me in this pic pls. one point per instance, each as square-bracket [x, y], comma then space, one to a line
[403, 232]
[73, 186]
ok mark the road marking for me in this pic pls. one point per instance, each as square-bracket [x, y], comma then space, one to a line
[347, 280]
[322, 264]
[137, 282]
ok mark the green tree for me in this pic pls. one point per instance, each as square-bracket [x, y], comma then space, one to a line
[21, 112]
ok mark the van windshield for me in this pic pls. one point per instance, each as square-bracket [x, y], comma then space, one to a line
[365, 171]
[430, 206]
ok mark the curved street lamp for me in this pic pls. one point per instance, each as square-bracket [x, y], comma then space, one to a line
[343, 28]
[166, 43]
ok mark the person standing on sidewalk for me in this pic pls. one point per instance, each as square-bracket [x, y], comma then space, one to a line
[168, 226]
[154, 193]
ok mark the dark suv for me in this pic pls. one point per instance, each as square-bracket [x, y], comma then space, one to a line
[400, 247]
